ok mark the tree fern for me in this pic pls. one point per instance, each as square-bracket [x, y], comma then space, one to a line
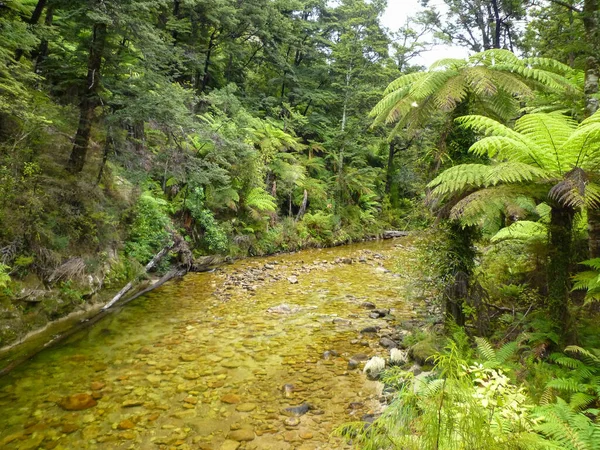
[259, 201]
[497, 80]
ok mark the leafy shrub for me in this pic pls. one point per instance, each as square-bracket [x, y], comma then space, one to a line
[319, 226]
[149, 229]
[214, 235]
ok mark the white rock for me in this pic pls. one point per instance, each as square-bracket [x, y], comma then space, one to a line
[374, 366]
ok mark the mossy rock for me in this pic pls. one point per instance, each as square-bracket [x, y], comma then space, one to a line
[423, 350]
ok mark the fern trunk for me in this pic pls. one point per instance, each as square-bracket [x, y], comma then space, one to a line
[594, 232]
[460, 261]
[559, 279]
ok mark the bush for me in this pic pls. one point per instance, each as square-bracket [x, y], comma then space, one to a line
[149, 229]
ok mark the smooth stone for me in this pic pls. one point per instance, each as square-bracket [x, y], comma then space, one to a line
[97, 385]
[229, 445]
[246, 407]
[69, 428]
[306, 435]
[131, 403]
[293, 279]
[243, 435]
[126, 425]
[77, 402]
[296, 410]
[368, 330]
[387, 343]
[291, 422]
[231, 399]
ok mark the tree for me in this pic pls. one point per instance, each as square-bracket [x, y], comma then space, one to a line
[481, 24]
[547, 157]
[90, 98]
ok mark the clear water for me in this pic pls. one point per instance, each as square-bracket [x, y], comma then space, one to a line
[204, 363]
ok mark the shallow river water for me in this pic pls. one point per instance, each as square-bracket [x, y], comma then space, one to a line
[202, 364]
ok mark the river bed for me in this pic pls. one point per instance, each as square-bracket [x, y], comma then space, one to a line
[213, 361]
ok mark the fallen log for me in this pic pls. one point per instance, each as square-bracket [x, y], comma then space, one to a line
[153, 262]
[390, 234]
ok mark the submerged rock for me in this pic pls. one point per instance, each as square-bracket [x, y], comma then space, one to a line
[284, 308]
[299, 410]
[242, 435]
[77, 402]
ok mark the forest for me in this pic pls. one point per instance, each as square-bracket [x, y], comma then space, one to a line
[169, 136]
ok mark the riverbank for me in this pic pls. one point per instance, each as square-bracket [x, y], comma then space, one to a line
[171, 361]
[29, 334]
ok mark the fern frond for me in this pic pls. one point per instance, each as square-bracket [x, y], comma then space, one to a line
[571, 191]
[524, 230]
[459, 178]
[565, 384]
[485, 349]
[403, 81]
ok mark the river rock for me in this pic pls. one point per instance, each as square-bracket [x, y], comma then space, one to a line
[77, 402]
[299, 410]
[229, 445]
[293, 279]
[368, 305]
[231, 399]
[129, 403]
[291, 421]
[97, 385]
[69, 428]
[386, 342]
[340, 321]
[353, 364]
[126, 425]
[245, 407]
[242, 435]
[369, 330]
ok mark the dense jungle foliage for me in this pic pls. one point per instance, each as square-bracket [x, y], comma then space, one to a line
[249, 127]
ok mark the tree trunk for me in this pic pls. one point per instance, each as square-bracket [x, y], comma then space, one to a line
[303, 206]
[89, 100]
[592, 74]
[559, 266]
[35, 17]
[390, 168]
[42, 52]
[459, 263]
[206, 76]
[592, 69]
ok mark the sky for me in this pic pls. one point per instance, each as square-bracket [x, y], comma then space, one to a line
[396, 15]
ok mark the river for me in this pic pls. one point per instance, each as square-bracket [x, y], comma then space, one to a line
[213, 360]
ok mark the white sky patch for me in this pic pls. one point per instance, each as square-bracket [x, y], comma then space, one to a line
[395, 17]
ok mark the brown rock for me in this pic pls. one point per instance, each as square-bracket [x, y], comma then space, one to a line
[245, 434]
[126, 425]
[129, 435]
[306, 435]
[191, 400]
[97, 385]
[77, 402]
[68, 428]
[231, 399]
[132, 402]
